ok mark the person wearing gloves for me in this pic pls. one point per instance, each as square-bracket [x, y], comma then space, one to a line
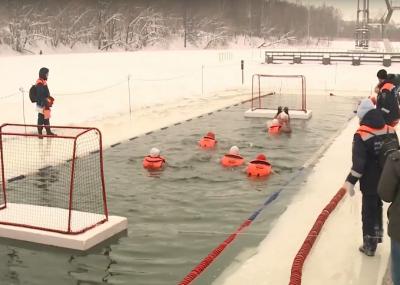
[366, 169]
[389, 191]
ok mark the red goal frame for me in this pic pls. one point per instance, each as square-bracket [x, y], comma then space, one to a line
[10, 132]
[258, 78]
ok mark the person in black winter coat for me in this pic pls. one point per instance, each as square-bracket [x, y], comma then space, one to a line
[44, 102]
[389, 191]
[366, 145]
[387, 100]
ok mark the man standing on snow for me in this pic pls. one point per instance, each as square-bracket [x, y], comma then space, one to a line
[366, 146]
[389, 191]
[44, 102]
[386, 100]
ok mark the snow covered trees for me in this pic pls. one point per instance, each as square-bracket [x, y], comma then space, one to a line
[135, 24]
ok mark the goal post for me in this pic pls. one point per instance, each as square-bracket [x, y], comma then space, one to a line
[52, 183]
[269, 91]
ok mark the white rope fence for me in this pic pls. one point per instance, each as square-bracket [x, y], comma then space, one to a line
[132, 84]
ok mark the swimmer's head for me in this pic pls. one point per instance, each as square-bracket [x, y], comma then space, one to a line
[261, 156]
[234, 150]
[154, 152]
[210, 135]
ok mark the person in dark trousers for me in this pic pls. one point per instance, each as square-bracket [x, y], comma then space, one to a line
[386, 100]
[389, 191]
[44, 102]
[366, 145]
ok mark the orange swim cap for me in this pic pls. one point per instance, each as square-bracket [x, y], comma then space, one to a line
[210, 135]
[261, 157]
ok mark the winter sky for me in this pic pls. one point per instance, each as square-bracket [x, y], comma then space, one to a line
[349, 7]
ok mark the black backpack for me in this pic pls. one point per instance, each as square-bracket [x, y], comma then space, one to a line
[394, 79]
[389, 143]
[33, 94]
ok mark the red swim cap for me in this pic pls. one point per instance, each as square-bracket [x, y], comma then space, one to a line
[210, 135]
[261, 157]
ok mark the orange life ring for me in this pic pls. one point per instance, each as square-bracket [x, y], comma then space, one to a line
[153, 163]
[259, 168]
[231, 160]
[207, 142]
[275, 129]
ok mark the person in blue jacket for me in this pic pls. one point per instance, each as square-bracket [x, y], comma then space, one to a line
[44, 102]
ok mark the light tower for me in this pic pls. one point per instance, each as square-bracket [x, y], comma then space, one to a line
[362, 25]
[390, 10]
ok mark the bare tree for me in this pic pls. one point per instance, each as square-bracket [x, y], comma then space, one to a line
[207, 32]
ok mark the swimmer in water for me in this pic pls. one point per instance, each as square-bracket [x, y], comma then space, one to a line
[154, 161]
[232, 158]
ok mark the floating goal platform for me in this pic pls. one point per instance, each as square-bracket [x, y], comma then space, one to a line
[269, 113]
[268, 91]
[82, 241]
[53, 188]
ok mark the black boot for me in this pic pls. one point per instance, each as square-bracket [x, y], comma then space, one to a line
[49, 132]
[378, 234]
[40, 129]
[369, 245]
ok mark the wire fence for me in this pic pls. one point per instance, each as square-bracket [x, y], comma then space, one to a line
[192, 82]
[130, 92]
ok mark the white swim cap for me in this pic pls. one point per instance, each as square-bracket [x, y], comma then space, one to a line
[234, 150]
[154, 152]
[365, 106]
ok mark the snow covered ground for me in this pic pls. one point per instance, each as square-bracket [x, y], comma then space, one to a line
[93, 87]
[165, 87]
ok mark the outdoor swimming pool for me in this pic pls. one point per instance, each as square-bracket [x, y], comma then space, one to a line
[177, 216]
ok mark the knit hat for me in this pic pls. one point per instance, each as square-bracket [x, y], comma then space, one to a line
[261, 157]
[43, 73]
[234, 150]
[382, 74]
[154, 152]
[365, 106]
